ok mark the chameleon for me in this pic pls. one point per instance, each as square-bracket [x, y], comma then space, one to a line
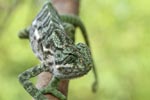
[56, 51]
[70, 30]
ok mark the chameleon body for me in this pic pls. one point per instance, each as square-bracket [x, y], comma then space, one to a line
[56, 52]
[70, 22]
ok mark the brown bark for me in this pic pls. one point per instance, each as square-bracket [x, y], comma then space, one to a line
[63, 7]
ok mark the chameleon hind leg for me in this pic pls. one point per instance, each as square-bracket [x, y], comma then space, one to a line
[28, 86]
[52, 88]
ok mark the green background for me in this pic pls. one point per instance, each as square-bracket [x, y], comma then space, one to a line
[119, 32]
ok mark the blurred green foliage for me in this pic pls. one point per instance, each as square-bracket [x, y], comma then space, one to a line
[119, 32]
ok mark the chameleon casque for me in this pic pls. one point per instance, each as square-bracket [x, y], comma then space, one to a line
[50, 40]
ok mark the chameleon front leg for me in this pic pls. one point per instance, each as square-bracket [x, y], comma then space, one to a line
[28, 86]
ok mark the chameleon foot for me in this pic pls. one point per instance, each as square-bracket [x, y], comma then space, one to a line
[52, 89]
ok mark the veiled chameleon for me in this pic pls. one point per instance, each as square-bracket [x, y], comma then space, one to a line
[56, 52]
